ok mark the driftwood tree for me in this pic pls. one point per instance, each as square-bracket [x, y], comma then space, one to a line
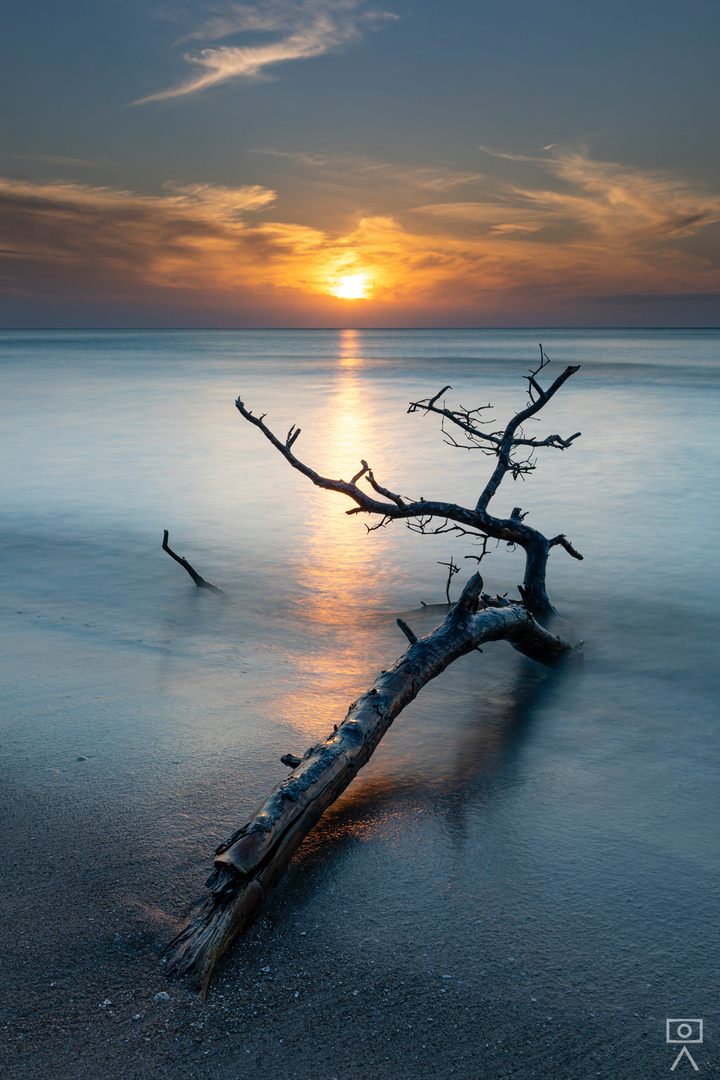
[250, 863]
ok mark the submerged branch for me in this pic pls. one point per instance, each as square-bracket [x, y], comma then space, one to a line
[197, 578]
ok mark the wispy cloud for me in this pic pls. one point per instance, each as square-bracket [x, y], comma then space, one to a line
[303, 29]
[575, 230]
[206, 201]
[198, 236]
[611, 200]
[108, 238]
[372, 173]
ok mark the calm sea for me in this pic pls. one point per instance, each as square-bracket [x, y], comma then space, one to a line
[552, 839]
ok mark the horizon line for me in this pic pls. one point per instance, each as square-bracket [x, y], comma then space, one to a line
[359, 329]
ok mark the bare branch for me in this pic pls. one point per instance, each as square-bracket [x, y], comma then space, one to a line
[363, 470]
[500, 601]
[532, 384]
[421, 516]
[438, 395]
[252, 860]
[562, 541]
[199, 581]
[551, 440]
[453, 569]
[467, 419]
[409, 634]
[380, 525]
[291, 437]
[384, 491]
[479, 558]
[396, 508]
[450, 440]
[350, 489]
[422, 525]
[505, 463]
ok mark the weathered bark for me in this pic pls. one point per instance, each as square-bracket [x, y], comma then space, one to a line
[253, 859]
[533, 589]
[197, 578]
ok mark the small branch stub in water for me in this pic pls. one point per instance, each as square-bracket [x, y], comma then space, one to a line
[197, 578]
[409, 634]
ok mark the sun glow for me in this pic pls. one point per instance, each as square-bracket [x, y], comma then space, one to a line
[351, 287]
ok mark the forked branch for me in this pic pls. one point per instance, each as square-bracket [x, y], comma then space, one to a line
[422, 515]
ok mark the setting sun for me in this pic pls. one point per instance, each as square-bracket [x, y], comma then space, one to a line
[351, 287]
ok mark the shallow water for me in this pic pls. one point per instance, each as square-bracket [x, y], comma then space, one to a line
[553, 835]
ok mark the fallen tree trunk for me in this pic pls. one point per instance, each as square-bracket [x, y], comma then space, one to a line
[251, 862]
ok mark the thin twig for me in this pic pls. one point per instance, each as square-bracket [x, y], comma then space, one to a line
[453, 569]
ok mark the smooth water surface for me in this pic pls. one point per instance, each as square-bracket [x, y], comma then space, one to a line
[551, 835]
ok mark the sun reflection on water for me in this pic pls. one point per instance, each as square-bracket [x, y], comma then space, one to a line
[337, 563]
[350, 348]
[336, 556]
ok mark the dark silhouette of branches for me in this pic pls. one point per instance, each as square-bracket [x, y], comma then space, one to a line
[514, 452]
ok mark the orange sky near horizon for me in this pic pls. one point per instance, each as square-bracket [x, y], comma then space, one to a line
[564, 229]
[334, 163]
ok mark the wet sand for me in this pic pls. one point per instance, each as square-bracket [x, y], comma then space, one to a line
[419, 933]
[501, 892]
[304, 995]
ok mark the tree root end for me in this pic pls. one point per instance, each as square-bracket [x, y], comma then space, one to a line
[193, 953]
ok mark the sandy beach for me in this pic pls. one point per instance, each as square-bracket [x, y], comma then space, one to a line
[303, 997]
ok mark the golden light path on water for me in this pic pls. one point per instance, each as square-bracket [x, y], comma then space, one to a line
[337, 566]
[350, 637]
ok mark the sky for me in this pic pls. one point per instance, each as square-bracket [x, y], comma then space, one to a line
[344, 163]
